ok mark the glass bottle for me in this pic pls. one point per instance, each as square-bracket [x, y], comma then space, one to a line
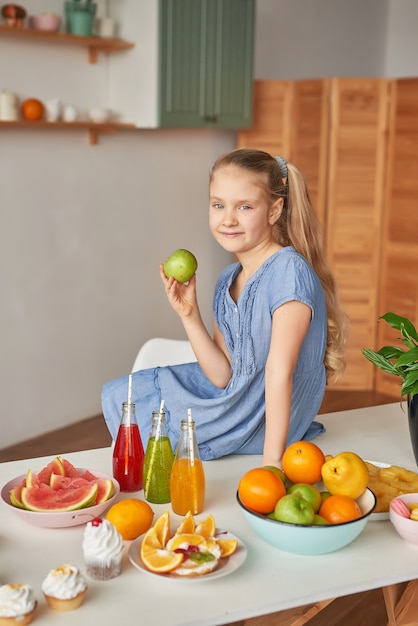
[187, 481]
[128, 453]
[158, 461]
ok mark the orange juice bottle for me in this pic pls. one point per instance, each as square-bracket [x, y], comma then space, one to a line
[187, 479]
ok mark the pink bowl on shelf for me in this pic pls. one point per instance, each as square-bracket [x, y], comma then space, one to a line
[47, 21]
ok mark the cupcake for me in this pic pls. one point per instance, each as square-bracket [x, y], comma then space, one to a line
[17, 605]
[102, 549]
[64, 588]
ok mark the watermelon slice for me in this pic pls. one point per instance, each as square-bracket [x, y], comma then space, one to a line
[15, 496]
[55, 466]
[105, 491]
[57, 500]
[66, 482]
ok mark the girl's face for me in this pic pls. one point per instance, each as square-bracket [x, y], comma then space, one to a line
[241, 212]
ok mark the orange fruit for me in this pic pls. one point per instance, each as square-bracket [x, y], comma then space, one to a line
[339, 509]
[155, 557]
[32, 109]
[131, 517]
[187, 524]
[260, 489]
[162, 528]
[302, 462]
[227, 546]
[207, 528]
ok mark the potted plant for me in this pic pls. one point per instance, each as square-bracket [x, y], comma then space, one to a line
[80, 16]
[403, 363]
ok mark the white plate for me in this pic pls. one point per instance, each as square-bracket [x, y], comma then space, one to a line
[379, 517]
[226, 566]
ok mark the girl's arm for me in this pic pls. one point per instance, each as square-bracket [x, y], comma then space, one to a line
[211, 353]
[290, 325]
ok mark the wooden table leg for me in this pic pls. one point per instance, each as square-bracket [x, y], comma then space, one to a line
[401, 602]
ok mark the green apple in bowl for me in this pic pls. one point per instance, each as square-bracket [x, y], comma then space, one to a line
[309, 493]
[293, 509]
[181, 265]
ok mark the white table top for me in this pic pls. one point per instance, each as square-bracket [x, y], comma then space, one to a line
[270, 580]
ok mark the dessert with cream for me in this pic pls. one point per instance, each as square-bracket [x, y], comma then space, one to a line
[17, 605]
[64, 588]
[201, 555]
[102, 549]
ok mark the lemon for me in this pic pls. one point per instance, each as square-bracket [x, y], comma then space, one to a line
[131, 517]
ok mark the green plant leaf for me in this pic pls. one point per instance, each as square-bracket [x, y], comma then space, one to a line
[408, 358]
[403, 324]
[390, 352]
[381, 362]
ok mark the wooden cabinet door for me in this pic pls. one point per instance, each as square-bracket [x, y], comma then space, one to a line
[206, 63]
[270, 131]
[356, 183]
[399, 275]
[290, 119]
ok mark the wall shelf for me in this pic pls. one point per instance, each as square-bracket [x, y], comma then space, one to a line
[93, 44]
[93, 129]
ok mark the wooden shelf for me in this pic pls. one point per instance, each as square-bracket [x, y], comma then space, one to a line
[94, 44]
[93, 129]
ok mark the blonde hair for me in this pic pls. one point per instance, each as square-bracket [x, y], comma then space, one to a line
[298, 226]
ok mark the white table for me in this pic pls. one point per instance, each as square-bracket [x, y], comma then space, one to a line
[270, 580]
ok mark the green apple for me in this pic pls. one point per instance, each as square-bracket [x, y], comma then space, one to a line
[280, 473]
[309, 493]
[325, 495]
[293, 509]
[320, 521]
[181, 265]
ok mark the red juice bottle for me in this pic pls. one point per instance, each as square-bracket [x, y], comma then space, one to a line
[128, 453]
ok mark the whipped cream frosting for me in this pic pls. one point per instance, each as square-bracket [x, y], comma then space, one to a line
[102, 542]
[16, 600]
[64, 582]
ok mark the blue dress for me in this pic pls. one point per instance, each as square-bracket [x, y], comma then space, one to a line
[232, 420]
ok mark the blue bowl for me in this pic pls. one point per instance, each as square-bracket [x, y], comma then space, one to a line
[310, 539]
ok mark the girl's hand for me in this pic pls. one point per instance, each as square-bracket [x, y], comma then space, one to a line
[181, 296]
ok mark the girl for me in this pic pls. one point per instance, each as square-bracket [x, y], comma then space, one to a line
[279, 331]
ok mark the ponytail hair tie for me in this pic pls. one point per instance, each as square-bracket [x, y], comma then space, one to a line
[283, 168]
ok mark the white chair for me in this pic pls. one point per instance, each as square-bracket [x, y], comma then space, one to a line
[159, 351]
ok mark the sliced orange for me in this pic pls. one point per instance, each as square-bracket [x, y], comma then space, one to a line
[187, 525]
[185, 538]
[155, 557]
[227, 546]
[162, 528]
[151, 540]
[207, 528]
[160, 560]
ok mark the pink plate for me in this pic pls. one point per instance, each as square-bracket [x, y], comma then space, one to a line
[62, 519]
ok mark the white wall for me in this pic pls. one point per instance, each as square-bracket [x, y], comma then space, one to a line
[83, 229]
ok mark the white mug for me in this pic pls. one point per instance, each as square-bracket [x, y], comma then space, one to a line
[53, 109]
[69, 113]
[8, 106]
[105, 27]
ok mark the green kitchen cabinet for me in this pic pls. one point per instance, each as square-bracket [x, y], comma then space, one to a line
[205, 63]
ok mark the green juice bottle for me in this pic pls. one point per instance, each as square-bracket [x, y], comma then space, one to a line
[158, 460]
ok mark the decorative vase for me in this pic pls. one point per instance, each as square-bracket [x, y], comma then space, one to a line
[413, 423]
[80, 17]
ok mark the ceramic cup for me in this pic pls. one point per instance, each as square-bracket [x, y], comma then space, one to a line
[105, 27]
[53, 109]
[69, 113]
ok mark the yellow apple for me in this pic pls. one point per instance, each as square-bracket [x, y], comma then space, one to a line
[345, 474]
